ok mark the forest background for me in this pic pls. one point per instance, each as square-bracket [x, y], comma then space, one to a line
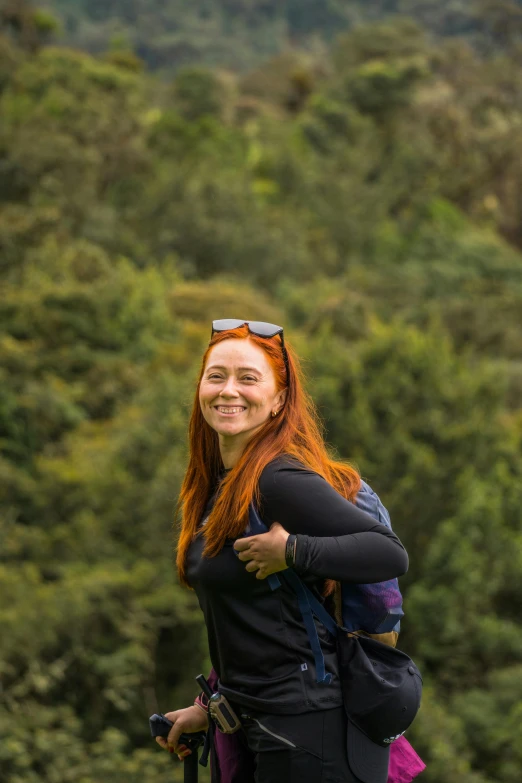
[352, 170]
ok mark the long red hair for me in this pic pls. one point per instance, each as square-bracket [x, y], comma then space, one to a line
[296, 431]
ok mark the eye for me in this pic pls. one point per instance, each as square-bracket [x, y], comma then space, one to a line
[249, 378]
[213, 376]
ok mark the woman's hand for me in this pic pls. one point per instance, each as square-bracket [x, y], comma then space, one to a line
[264, 553]
[186, 721]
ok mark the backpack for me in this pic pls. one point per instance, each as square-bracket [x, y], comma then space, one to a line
[373, 609]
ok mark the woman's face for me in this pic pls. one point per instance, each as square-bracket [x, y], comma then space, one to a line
[238, 390]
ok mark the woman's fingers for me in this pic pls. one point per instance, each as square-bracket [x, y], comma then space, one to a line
[262, 571]
[173, 739]
[244, 543]
[185, 721]
[264, 553]
[174, 735]
[181, 750]
[248, 552]
[162, 742]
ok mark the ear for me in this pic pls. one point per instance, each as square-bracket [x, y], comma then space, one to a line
[281, 397]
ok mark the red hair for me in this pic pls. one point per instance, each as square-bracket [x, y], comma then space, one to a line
[296, 431]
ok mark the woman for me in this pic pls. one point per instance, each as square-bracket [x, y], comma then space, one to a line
[255, 438]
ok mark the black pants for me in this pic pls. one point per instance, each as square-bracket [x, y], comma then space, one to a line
[307, 748]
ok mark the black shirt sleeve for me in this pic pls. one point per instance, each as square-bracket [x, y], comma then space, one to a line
[335, 540]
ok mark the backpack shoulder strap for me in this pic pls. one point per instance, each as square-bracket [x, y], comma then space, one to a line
[310, 606]
[256, 526]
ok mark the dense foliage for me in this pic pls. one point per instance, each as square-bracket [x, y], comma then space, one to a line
[239, 34]
[371, 201]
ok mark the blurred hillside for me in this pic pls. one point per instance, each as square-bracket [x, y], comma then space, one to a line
[240, 34]
[369, 199]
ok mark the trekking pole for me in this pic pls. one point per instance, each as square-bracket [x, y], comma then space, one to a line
[160, 727]
[190, 763]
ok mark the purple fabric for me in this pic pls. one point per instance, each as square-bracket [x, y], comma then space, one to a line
[236, 763]
[405, 764]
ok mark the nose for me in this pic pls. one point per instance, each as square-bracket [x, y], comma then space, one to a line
[229, 389]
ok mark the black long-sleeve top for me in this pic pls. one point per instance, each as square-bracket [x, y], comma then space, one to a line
[257, 641]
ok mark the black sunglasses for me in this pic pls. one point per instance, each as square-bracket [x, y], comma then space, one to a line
[259, 328]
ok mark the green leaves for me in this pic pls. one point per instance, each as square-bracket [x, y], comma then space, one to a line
[368, 199]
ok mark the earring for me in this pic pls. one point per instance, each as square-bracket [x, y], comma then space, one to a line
[274, 413]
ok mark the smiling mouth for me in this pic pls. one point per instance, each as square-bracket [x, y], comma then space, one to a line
[229, 410]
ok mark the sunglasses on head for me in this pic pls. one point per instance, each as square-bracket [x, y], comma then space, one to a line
[259, 328]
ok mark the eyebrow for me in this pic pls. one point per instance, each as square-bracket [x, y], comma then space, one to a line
[240, 369]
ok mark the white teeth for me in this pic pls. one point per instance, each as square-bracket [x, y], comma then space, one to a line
[230, 410]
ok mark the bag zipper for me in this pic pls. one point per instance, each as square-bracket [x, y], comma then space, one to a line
[272, 733]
